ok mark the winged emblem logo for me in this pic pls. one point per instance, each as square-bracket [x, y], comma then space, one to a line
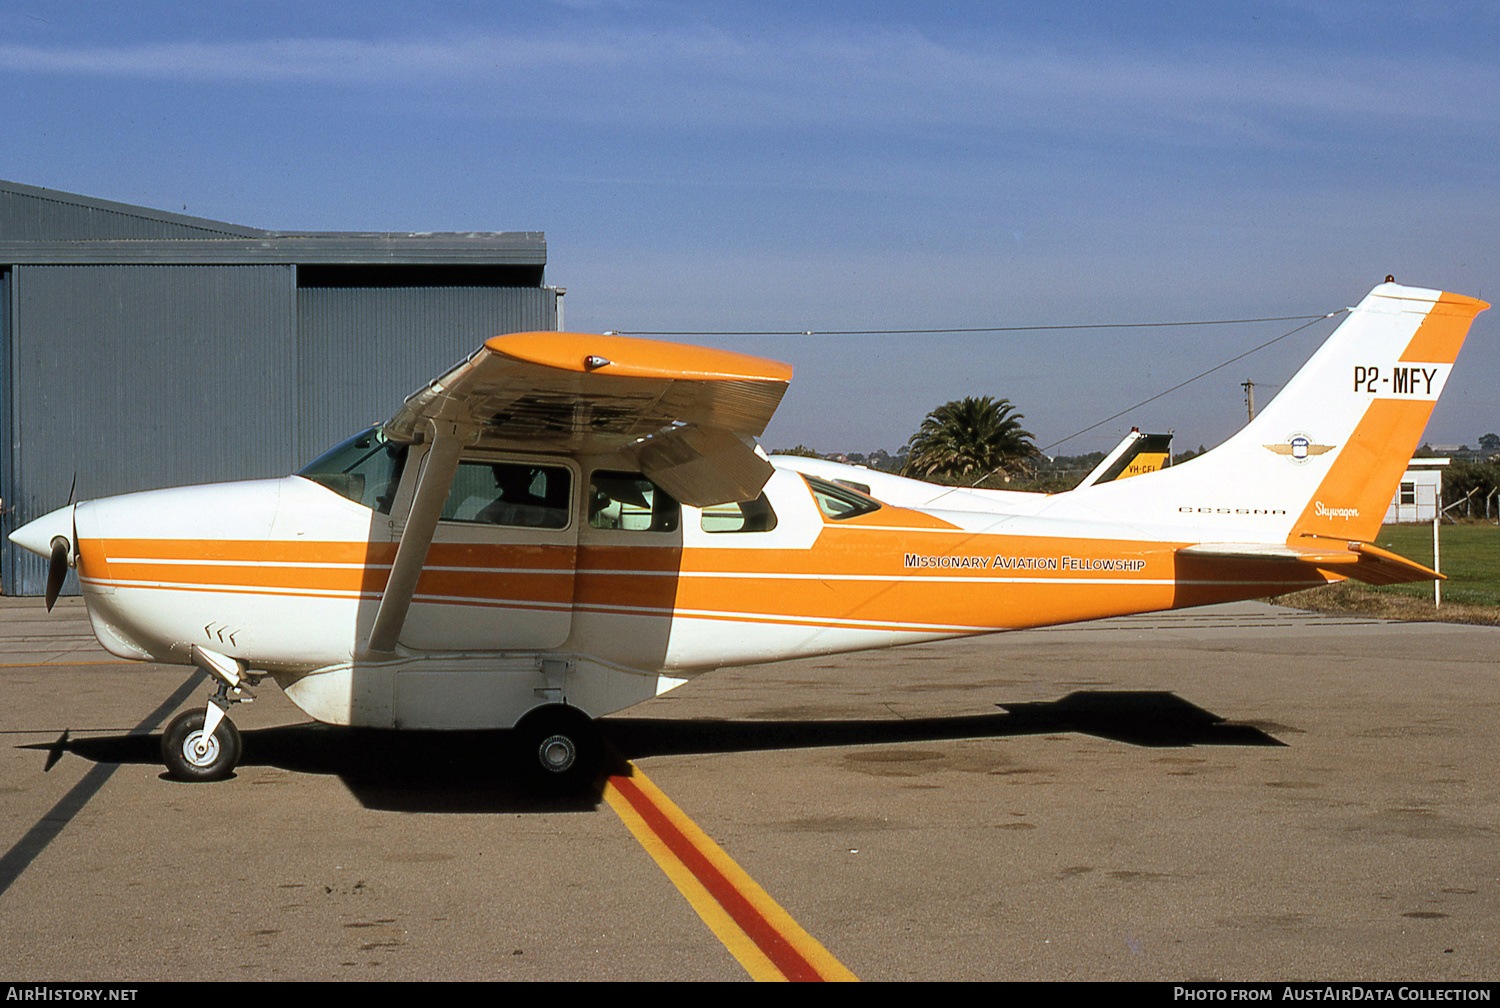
[1299, 447]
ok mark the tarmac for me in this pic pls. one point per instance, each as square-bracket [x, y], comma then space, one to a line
[1240, 792]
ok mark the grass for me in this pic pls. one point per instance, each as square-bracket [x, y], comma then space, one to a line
[1470, 556]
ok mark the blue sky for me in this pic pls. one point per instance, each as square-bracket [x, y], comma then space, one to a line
[713, 166]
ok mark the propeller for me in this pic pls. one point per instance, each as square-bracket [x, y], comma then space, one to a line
[57, 569]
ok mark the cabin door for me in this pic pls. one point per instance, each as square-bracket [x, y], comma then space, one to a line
[500, 573]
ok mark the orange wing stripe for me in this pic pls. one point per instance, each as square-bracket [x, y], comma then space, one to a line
[627, 357]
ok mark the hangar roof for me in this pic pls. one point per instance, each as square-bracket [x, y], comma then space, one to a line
[46, 226]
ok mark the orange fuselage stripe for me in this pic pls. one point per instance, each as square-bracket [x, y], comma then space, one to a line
[896, 579]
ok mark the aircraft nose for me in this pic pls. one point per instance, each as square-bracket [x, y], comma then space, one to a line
[37, 536]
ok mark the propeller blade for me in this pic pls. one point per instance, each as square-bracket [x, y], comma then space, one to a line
[57, 570]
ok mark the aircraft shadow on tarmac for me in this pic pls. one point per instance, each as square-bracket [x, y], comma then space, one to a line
[464, 771]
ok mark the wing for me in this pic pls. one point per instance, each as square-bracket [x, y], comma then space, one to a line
[687, 413]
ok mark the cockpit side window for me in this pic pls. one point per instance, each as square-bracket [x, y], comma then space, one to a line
[516, 494]
[366, 469]
[751, 516]
[839, 502]
[630, 502]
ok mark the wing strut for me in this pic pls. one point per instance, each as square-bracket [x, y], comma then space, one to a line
[438, 467]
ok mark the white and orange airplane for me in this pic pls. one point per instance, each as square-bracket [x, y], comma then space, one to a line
[565, 525]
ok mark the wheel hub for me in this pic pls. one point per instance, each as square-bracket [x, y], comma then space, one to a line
[557, 753]
[200, 749]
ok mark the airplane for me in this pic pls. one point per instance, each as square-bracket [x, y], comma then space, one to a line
[565, 525]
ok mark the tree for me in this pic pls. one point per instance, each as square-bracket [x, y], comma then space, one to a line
[1184, 456]
[1462, 476]
[970, 439]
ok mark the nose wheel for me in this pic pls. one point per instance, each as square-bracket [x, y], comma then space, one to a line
[193, 754]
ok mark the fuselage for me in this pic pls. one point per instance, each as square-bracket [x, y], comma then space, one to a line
[286, 574]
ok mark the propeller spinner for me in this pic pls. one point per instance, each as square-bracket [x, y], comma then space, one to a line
[50, 536]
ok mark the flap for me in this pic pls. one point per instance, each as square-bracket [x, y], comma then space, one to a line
[703, 466]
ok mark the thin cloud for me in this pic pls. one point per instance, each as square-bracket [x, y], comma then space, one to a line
[346, 61]
[881, 79]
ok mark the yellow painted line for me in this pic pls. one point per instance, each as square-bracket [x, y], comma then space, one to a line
[39, 664]
[753, 927]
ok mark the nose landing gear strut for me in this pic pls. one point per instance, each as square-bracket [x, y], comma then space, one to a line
[204, 745]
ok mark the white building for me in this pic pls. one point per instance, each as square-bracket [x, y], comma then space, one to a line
[1420, 493]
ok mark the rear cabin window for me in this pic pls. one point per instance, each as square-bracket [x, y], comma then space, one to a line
[630, 502]
[515, 494]
[366, 469]
[751, 516]
[839, 502]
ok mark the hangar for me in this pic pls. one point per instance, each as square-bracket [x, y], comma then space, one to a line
[141, 348]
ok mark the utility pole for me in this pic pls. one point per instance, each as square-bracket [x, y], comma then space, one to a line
[1249, 387]
[1437, 563]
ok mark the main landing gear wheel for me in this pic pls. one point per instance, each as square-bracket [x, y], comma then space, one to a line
[192, 755]
[558, 749]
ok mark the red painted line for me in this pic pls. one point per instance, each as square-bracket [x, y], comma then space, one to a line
[776, 948]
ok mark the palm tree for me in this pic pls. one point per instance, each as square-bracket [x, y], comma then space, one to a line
[970, 439]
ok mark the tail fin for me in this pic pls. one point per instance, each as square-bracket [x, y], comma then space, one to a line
[1393, 378]
[1325, 456]
[1137, 454]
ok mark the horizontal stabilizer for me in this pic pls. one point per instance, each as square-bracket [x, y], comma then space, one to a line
[1360, 561]
[1379, 566]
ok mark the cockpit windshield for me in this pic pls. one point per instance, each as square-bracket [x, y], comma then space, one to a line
[366, 469]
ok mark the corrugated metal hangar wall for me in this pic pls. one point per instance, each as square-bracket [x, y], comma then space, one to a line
[141, 349]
